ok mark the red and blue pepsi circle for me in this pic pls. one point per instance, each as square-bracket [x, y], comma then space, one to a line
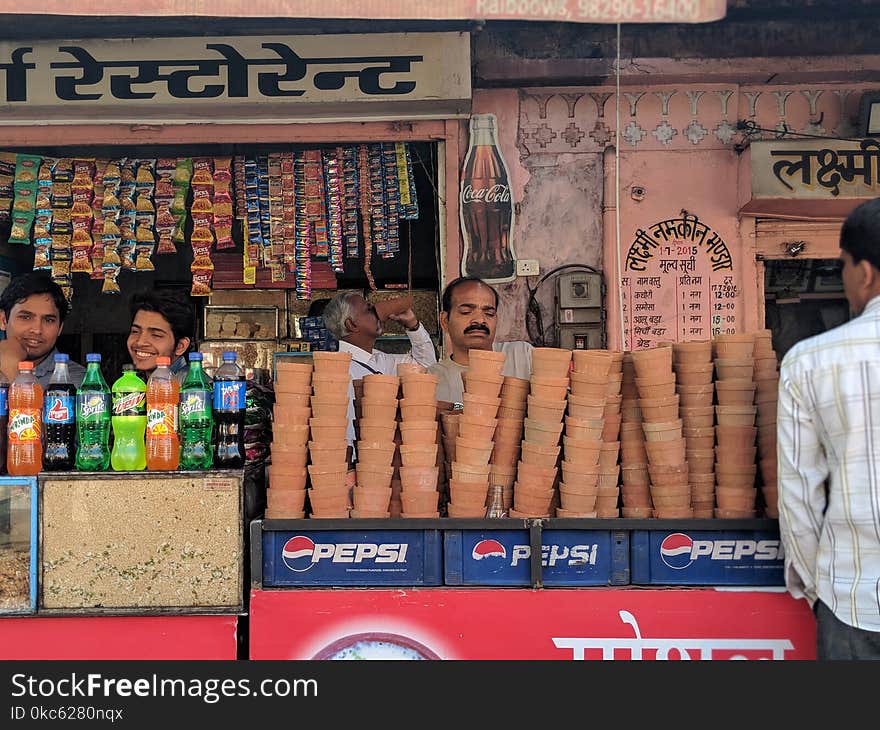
[488, 549]
[676, 550]
[298, 552]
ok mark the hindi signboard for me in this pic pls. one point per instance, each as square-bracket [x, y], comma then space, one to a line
[381, 76]
[571, 11]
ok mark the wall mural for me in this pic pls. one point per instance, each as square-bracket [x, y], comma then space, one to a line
[678, 284]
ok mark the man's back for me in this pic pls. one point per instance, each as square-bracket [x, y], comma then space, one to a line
[829, 429]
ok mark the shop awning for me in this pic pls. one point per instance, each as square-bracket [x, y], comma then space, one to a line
[572, 11]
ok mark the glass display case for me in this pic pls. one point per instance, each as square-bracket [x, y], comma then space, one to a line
[18, 545]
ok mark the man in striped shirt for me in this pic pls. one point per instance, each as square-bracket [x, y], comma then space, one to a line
[829, 458]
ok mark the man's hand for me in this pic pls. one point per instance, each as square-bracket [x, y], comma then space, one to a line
[11, 353]
[408, 319]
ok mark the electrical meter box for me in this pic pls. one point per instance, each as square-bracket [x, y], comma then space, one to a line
[580, 310]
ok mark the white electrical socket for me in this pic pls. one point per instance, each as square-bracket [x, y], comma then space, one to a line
[527, 267]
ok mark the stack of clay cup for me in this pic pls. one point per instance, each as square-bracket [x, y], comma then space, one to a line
[608, 496]
[469, 484]
[692, 363]
[635, 490]
[375, 448]
[419, 448]
[286, 494]
[735, 432]
[508, 436]
[534, 493]
[582, 439]
[330, 492]
[766, 397]
[664, 440]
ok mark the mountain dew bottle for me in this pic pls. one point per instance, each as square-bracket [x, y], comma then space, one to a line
[129, 422]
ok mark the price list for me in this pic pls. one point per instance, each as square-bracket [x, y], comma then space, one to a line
[678, 285]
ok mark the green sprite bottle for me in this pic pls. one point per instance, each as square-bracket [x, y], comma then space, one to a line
[196, 422]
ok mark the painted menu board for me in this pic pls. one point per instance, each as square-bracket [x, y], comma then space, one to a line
[678, 284]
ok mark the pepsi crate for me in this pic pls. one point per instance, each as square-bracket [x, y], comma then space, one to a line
[570, 556]
[375, 552]
[18, 545]
[702, 553]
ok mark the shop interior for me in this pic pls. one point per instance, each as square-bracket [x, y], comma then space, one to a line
[803, 297]
[99, 322]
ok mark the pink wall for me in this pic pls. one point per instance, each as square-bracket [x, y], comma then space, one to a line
[678, 141]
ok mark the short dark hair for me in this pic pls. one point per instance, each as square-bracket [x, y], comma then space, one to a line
[860, 233]
[33, 282]
[446, 299]
[173, 305]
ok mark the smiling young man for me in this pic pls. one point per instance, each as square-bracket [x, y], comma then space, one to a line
[469, 318]
[32, 312]
[162, 324]
[828, 429]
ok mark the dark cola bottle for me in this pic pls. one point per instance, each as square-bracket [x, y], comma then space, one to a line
[486, 205]
[59, 423]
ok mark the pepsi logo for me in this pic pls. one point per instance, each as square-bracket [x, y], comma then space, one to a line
[675, 551]
[298, 552]
[488, 549]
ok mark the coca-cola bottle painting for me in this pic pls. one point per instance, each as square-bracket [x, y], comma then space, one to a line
[485, 206]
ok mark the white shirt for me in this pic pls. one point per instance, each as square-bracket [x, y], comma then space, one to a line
[369, 363]
[517, 363]
[828, 427]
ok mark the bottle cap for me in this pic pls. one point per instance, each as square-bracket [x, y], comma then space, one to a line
[61, 357]
[162, 360]
[128, 367]
[25, 365]
[195, 357]
[93, 357]
[229, 355]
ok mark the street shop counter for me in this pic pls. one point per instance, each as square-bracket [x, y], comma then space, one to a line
[469, 589]
[113, 565]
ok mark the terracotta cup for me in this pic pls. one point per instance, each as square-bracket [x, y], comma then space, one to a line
[418, 432]
[487, 362]
[381, 387]
[326, 362]
[594, 362]
[472, 452]
[546, 411]
[480, 406]
[328, 452]
[377, 430]
[551, 362]
[375, 477]
[419, 477]
[410, 411]
[484, 384]
[415, 385]
[419, 454]
[539, 432]
[394, 305]
[539, 455]
[284, 502]
[548, 388]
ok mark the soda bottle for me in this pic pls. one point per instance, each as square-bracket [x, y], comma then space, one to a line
[486, 207]
[163, 394]
[24, 454]
[195, 417]
[229, 411]
[129, 421]
[93, 418]
[4, 419]
[59, 419]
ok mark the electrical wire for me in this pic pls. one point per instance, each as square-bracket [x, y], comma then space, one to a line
[533, 307]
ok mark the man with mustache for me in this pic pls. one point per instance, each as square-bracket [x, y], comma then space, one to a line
[32, 312]
[469, 317]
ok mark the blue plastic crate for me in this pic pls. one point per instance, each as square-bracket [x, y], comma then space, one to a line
[18, 543]
[707, 557]
[311, 557]
[568, 557]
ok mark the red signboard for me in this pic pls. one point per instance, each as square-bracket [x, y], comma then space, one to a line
[572, 11]
[119, 637]
[531, 624]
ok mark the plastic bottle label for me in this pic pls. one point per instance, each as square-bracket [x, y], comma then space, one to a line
[59, 409]
[24, 425]
[229, 395]
[162, 419]
[130, 404]
[194, 405]
[91, 406]
[4, 401]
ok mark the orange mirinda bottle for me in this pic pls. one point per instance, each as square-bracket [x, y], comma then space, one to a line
[24, 452]
[163, 397]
